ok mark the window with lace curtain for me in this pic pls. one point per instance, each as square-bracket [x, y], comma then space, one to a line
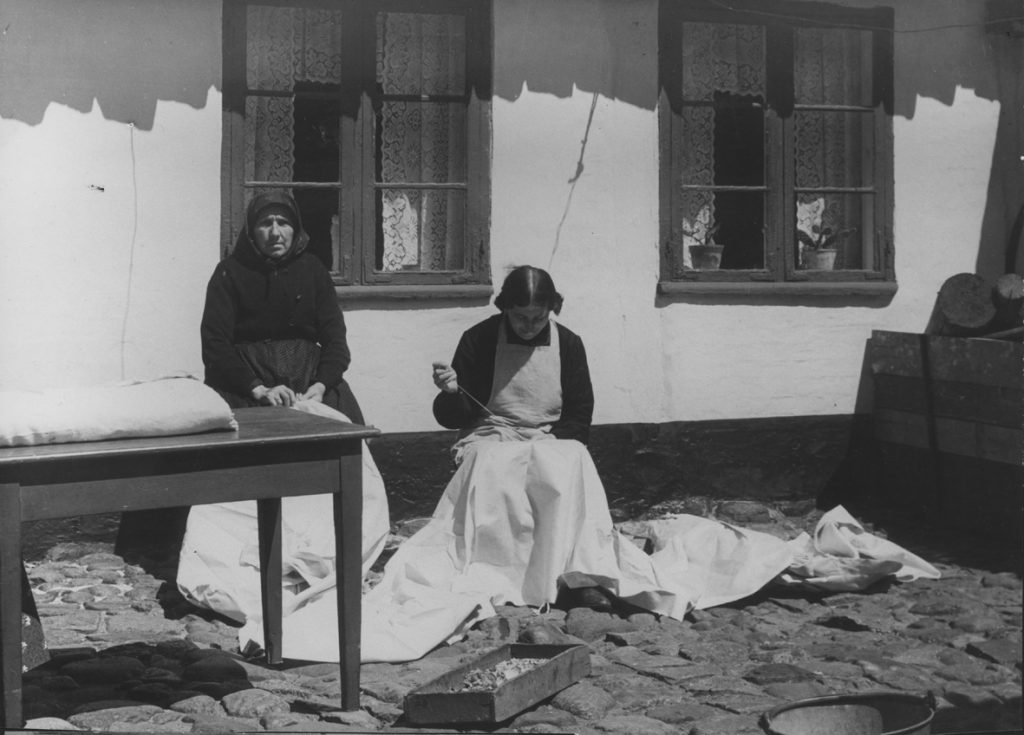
[776, 147]
[375, 115]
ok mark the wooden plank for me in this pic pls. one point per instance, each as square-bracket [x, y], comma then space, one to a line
[964, 438]
[987, 404]
[84, 497]
[348, 515]
[954, 359]
[10, 606]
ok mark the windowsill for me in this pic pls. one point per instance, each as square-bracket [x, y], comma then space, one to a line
[785, 289]
[481, 292]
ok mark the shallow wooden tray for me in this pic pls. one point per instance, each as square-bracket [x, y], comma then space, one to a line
[436, 703]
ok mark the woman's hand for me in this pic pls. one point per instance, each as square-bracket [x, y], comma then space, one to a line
[315, 392]
[445, 377]
[279, 395]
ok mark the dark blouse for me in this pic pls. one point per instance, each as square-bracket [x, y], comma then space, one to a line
[474, 365]
[251, 300]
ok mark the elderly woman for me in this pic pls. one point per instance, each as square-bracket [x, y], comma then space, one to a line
[272, 332]
[274, 335]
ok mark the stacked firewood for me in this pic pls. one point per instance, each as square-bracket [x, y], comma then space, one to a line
[969, 305]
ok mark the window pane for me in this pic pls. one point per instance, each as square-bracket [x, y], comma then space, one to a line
[288, 45]
[269, 144]
[724, 145]
[833, 148]
[719, 57]
[317, 127]
[421, 230]
[421, 54]
[732, 219]
[291, 50]
[832, 66]
[422, 143]
[843, 222]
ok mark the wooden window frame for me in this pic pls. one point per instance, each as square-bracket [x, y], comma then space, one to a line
[354, 274]
[780, 276]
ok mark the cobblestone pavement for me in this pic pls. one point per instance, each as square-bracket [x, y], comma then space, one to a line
[129, 654]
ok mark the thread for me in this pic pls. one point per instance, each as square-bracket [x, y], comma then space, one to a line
[467, 393]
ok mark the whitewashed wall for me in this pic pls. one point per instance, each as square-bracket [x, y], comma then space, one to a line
[111, 231]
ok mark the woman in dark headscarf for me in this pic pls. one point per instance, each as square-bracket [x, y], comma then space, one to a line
[273, 335]
[272, 331]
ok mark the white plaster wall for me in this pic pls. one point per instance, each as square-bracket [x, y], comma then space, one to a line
[70, 315]
[110, 234]
[109, 189]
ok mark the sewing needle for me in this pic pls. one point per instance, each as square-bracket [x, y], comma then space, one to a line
[470, 396]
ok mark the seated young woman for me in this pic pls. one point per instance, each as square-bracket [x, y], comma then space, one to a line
[525, 504]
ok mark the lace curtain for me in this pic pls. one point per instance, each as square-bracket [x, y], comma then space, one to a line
[421, 141]
[284, 46]
[828, 151]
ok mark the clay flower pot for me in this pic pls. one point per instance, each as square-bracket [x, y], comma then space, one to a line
[819, 259]
[706, 257]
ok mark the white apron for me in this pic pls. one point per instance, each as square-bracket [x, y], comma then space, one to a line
[526, 394]
[522, 508]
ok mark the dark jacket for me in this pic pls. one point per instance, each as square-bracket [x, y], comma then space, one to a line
[250, 298]
[474, 365]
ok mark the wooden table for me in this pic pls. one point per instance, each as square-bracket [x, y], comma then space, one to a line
[275, 453]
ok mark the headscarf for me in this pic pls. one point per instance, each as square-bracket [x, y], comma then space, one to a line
[252, 214]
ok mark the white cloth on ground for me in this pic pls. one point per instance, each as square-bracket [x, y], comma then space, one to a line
[218, 567]
[520, 516]
[841, 555]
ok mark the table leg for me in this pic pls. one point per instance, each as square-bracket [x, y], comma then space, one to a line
[348, 539]
[10, 605]
[268, 520]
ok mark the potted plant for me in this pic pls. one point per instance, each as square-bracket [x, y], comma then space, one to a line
[818, 252]
[706, 254]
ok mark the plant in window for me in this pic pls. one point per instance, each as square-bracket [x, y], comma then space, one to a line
[817, 237]
[705, 253]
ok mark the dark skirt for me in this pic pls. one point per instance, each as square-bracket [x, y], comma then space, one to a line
[293, 363]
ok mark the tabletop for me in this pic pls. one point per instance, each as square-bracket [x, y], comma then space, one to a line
[257, 427]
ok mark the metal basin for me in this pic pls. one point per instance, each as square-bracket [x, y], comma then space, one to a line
[879, 713]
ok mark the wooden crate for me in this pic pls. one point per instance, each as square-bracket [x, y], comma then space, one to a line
[437, 703]
[948, 415]
[960, 396]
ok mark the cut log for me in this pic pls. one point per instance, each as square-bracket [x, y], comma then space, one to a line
[963, 308]
[1008, 298]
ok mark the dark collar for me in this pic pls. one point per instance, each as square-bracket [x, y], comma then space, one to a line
[543, 337]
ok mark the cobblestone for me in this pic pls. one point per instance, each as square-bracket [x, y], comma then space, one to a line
[128, 654]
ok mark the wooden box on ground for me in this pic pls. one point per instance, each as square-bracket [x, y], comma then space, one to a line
[440, 701]
[948, 418]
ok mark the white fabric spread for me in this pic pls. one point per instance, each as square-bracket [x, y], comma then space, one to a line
[175, 404]
[218, 567]
[517, 517]
[523, 513]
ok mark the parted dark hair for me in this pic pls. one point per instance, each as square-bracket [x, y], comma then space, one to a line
[529, 286]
